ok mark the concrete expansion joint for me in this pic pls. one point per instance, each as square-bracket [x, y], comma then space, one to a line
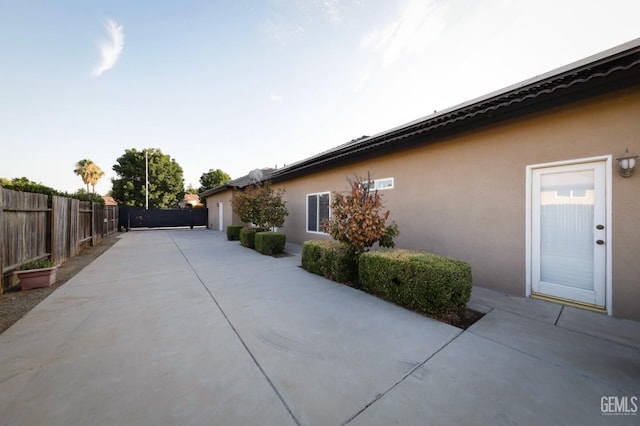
[239, 337]
[561, 366]
[602, 338]
[413, 370]
[559, 315]
[21, 371]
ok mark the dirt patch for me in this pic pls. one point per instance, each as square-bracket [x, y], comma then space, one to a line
[14, 304]
[281, 255]
[462, 318]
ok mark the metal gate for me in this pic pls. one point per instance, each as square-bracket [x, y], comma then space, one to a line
[135, 217]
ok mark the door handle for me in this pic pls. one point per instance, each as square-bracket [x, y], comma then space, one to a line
[600, 242]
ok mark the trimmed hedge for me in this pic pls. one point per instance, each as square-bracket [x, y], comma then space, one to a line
[270, 242]
[248, 237]
[331, 259]
[233, 232]
[420, 281]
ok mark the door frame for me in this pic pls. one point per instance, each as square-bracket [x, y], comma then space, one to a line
[220, 216]
[607, 159]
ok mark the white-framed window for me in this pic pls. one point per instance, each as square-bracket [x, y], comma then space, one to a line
[386, 183]
[317, 211]
[379, 184]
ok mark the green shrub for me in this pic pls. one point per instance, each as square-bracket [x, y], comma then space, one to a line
[270, 242]
[420, 281]
[311, 255]
[261, 205]
[331, 259]
[233, 232]
[248, 237]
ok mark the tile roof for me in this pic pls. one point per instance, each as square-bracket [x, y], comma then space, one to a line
[610, 70]
[109, 201]
[240, 182]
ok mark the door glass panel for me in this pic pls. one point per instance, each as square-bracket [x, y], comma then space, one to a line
[566, 229]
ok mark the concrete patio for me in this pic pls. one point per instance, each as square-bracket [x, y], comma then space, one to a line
[181, 327]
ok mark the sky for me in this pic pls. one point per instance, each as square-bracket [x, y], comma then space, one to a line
[238, 85]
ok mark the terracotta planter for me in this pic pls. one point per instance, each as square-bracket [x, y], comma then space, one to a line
[36, 278]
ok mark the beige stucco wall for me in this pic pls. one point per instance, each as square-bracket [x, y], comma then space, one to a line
[228, 217]
[465, 196]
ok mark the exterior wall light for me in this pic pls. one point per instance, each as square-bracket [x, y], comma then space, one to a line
[627, 162]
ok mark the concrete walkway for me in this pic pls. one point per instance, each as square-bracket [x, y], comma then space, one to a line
[182, 327]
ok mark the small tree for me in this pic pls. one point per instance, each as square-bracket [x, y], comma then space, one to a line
[166, 183]
[357, 219]
[213, 178]
[261, 205]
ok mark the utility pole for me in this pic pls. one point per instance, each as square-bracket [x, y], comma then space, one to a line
[146, 174]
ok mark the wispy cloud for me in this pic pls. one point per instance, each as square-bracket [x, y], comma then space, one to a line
[364, 78]
[275, 98]
[279, 29]
[291, 19]
[111, 49]
[333, 9]
[418, 25]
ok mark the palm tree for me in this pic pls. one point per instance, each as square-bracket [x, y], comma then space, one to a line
[95, 173]
[82, 170]
[89, 172]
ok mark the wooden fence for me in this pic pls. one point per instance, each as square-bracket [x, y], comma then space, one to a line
[31, 228]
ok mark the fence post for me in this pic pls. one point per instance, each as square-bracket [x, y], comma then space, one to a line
[74, 224]
[94, 228]
[53, 227]
[1, 241]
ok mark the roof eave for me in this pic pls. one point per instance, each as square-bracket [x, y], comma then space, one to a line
[216, 190]
[539, 93]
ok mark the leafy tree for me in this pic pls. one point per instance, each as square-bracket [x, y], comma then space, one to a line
[166, 184]
[191, 190]
[260, 205]
[26, 185]
[86, 196]
[213, 178]
[357, 218]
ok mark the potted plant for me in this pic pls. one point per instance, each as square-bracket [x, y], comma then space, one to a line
[36, 274]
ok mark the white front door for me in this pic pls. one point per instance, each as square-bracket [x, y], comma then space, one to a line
[569, 232]
[220, 216]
